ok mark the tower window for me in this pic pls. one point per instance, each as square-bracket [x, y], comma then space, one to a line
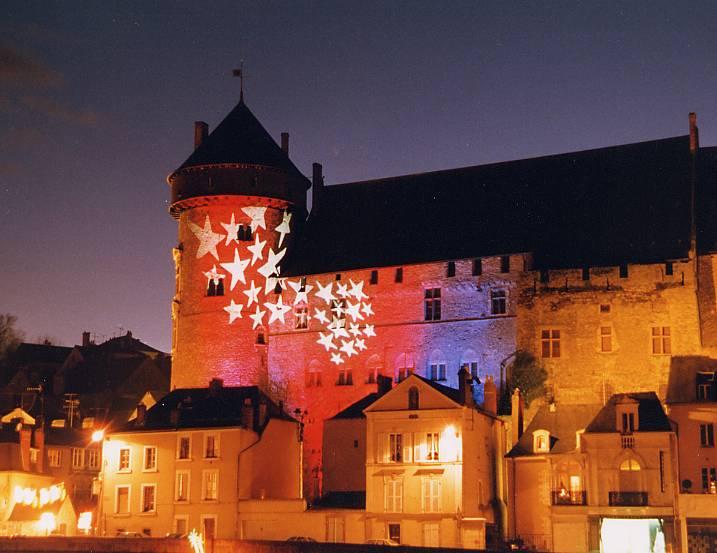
[244, 233]
[586, 273]
[498, 302]
[451, 269]
[438, 371]
[301, 316]
[661, 340]
[338, 276]
[477, 267]
[215, 287]
[345, 377]
[504, 263]
[623, 271]
[432, 304]
[544, 276]
[399, 274]
[550, 342]
[374, 277]
[669, 268]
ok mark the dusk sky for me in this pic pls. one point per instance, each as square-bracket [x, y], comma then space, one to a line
[99, 98]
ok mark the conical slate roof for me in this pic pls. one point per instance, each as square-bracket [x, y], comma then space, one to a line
[240, 138]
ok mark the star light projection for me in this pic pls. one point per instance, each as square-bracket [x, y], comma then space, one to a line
[341, 313]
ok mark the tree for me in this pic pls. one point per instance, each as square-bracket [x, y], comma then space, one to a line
[526, 373]
[10, 336]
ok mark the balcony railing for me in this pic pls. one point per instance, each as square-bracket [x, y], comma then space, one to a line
[628, 499]
[567, 497]
[627, 441]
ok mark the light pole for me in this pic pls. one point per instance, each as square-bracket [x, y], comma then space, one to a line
[98, 436]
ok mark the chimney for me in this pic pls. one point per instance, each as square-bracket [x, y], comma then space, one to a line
[86, 339]
[40, 446]
[317, 185]
[694, 133]
[384, 384]
[490, 396]
[465, 387]
[201, 131]
[516, 415]
[215, 384]
[25, 436]
[247, 414]
[141, 415]
[285, 142]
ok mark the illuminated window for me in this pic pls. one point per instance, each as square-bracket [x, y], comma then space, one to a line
[122, 500]
[210, 485]
[395, 448]
[150, 458]
[244, 233]
[550, 342]
[313, 376]
[707, 435]
[451, 269]
[709, 475]
[78, 458]
[181, 486]
[211, 446]
[374, 277]
[661, 341]
[432, 304]
[393, 495]
[437, 371]
[54, 457]
[123, 464]
[477, 267]
[301, 316]
[630, 465]
[183, 445]
[498, 302]
[413, 398]
[705, 383]
[345, 377]
[149, 498]
[94, 458]
[399, 274]
[504, 263]
[541, 441]
[606, 339]
[432, 446]
[431, 495]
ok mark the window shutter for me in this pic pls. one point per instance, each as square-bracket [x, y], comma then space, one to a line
[407, 447]
[382, 448]
[416, 438]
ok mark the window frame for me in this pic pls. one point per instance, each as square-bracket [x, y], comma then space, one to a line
[215, 449]
[127, 487]
[432, 304]
[145, 450]
[182, 473]
[205, 487]
[498, 301]
[437, 371]
[431, 495]
[344, 376]
[178, 456]
[127, 468]
[551, 338]
[143, 488]
[707, 435]
[77, 452]
[93, 454]
[661, 340]
[393, 495]
[52, 453]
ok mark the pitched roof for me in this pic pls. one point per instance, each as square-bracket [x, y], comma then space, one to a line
[240, 138]
[355, 410]
[562, 424]
[682, 381]
[651, 416]
[209, 407]
[601, 207]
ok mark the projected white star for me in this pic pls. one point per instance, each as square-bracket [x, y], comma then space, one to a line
[208, 239]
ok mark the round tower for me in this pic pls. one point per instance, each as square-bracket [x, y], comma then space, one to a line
[238, 198]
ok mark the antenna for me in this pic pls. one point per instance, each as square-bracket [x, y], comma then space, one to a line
[240, 73]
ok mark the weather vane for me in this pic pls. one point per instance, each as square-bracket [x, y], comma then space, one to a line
[240, 73]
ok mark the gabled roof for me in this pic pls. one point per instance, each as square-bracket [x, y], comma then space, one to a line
[240, 139]
[449, 397]
[209, 407]
[563, 424]
[651, 416]
[355, 410]
[601, 207]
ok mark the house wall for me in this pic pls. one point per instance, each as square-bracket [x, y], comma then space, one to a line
[344, 455]
[692, 455]
[530, 512]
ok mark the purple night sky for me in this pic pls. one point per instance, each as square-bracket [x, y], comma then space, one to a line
[99, 98]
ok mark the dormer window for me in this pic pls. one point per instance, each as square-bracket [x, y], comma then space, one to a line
[626, 415]
[705, 383]
[541, 441]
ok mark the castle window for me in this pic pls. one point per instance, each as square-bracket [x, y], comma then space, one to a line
[432, 304]
[541, 441]
[301, 316]
[550, 343]
[707, 435]
[413, 398]
[705, 382]
[215, 287]
[261, 336]
[313, 375]
[586, 273]
[504, 263]
[606, 339]
[244, 233]
[661, 340]
[451, 269]
[669, 268]
[402, 373]
[374, 277]
[477, 267]
[623, 271]
[346, 377]
[373, 369]
[399, 275]
[338, 276]
[604, 308]
[437, 371]
[338, 309]
[498, 302]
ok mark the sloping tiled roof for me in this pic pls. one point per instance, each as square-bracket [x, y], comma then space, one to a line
[451, 393]
[355, 410]
[208, 407]
[562, 424]
[602, 207]
[240, 138]
[651, 416]
[682, 382]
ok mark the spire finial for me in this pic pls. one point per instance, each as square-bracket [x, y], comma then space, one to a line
[240, 73]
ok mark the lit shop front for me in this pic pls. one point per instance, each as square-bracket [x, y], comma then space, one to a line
[29, 510]
[635, 535]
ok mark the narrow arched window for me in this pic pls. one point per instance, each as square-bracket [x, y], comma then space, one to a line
[413, 398]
